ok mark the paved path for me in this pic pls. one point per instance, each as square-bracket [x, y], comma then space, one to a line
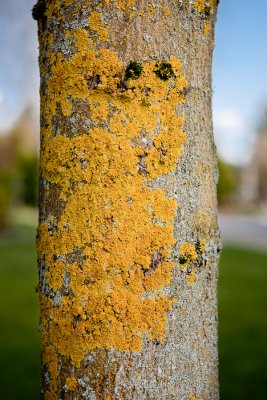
[244, 230]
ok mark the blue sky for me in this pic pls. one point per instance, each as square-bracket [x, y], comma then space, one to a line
[239, 70]
[19, 79]
[239, 76]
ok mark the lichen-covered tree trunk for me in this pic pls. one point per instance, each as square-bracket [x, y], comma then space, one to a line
[127, 241]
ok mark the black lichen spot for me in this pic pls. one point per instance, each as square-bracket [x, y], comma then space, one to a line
[38, 10]
[133, 70]
[182, 260]
[164, 70]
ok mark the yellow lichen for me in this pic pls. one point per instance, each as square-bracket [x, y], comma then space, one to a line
[97, 25]
[123, 5]
[71, 382]
[207, 28]
[191, 257]
[191, 278]
[202, 245]
[188, 252]
[52, 9]
[201, 5]
[166, 11]
[212, 4]
[122, 227]
[54, 275]
[201, 214]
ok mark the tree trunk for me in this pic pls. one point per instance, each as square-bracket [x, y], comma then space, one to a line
[127, 241]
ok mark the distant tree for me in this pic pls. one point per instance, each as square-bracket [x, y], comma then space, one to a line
[228, 182]
[6, 170]
[27, 176]
[127, 240]
[19, 160]
[259, 161]
[5, 199]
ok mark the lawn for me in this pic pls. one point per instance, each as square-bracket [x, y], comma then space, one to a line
[242, 329]
[19, 345]
[243, 324]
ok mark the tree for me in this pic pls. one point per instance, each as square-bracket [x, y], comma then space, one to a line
[127, 241]
[228, 183]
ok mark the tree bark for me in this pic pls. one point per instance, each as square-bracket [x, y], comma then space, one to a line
[127, 241]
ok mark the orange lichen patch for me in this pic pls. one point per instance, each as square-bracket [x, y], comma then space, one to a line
[49, 357]
[201, 5]
[97, 25]
[158, 279]
[191, 257]
[128, 6]
[68, 2]
[54, 275]
[64, 80]
[71, 79]
[188, 251]
[103, 327]
[71, 382]
[51, 393]
[207, 28]
[212, 4]
[201, 214]
[191, 397]
[53, 9]
[123, 4]
[121, 227]
[202, 245]
[191, 278]
[166, 11]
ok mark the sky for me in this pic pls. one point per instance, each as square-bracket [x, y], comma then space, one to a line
[239, 76]
[239, 71]
[19, 75]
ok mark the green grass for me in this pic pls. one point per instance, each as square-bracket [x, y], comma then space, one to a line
[243, 324]
[19, 345]
[242, 328]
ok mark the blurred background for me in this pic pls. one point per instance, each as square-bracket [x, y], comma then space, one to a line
[240, 124]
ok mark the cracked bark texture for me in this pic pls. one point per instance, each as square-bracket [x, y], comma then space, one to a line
[183, 364]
